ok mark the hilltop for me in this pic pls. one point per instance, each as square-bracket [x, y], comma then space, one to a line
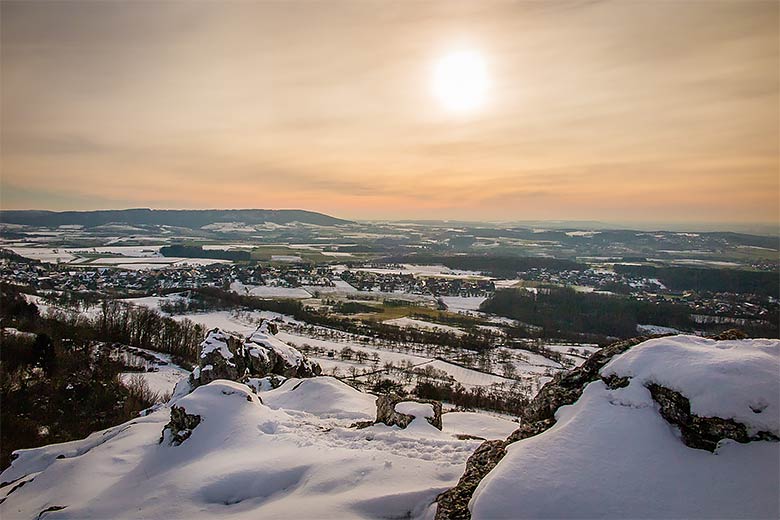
[185, 218]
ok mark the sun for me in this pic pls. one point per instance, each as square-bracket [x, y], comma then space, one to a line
[460, 81]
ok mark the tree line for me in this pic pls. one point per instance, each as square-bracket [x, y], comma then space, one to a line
[708, 280]
[180, 250]
[562, 310]
[214, 298]
[55, 386]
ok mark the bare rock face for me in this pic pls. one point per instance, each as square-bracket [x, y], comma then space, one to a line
[180, 426]
[225, 356]
[453, 504]
[700, 432]
[387, 414]
[567, 387]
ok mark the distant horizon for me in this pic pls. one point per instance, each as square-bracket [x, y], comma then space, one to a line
[759, 228]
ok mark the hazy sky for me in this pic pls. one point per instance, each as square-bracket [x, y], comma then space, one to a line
[612, 110]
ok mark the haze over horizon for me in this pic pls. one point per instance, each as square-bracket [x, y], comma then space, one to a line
[632, 111]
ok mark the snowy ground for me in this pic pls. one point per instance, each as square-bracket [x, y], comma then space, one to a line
[293, 457]
[130, 257]
[293, 452]
[439, 271]
[269, 291]
[532, 369]
[463, 303]
[612, 455]
[414, 323]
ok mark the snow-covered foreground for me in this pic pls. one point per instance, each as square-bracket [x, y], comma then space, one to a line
[293, 455]
[612, 454]
[295, 451]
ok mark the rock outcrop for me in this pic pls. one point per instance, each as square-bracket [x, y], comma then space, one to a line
[453, 504]
[386, 411]
[702, 433]
[225, 356]
[265, 354]
[565, 389]
[220, 358]
[180, 426]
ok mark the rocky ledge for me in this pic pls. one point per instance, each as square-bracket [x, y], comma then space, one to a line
[565, 389]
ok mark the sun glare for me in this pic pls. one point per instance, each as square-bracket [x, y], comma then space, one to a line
[460, 81]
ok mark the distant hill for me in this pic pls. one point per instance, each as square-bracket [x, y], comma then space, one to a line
[169, 217]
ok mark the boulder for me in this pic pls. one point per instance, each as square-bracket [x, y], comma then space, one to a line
[221, 357]
[386, 411]
[180, 426]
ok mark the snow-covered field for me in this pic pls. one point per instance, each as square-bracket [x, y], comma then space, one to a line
[130, 257]
[440, 271]
[414, 323]
[269, 291]
[655, 329]
[530, 368]
[463, 303]
[467, 377]
[165, 375]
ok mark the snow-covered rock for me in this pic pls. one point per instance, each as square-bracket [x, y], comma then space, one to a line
[263, 384]
[265, 353]
[325, 397]
[180, 426]
[219, 358]
[614, 453]
[394, 410]
[225, 356]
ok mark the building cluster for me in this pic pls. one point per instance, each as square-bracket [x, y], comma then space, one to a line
[411, 284]
[68, 278]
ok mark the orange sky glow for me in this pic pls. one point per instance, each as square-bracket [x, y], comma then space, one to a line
[601, 110]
